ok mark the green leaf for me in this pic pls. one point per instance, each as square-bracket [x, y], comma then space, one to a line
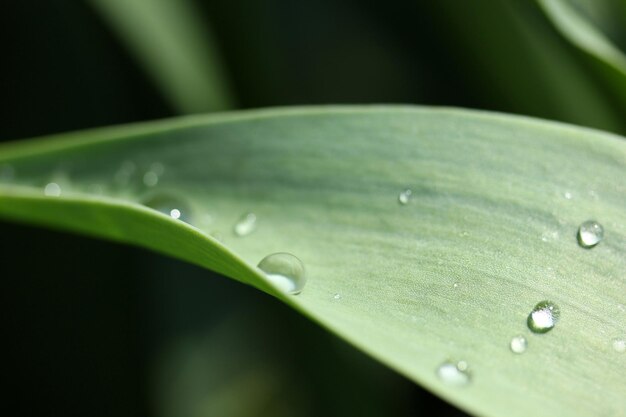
[606, 59]
[516, 56]
[489, 231]
[175, 47]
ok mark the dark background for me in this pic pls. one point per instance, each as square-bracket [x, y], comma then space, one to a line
[95, 328]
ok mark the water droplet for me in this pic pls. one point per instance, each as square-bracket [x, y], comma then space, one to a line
[543, 317]
[337, 296]
[455, 374]
[405, 197]
[170, 206]
[455, 285]
[285, 271]
[52, 189]
[518, 344]
[245, 225]
[590, 233]
[150, 179]
[567, 195]
[619, 345]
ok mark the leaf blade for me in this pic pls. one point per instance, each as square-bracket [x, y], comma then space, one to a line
[324, 184]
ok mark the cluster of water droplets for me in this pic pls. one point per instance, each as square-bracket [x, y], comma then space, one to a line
[454, 373]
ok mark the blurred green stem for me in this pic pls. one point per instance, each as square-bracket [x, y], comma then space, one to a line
[175, 47]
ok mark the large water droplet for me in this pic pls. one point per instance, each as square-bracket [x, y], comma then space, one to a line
[619, 345]
[590, 233]
[518, 344]
[543, 317]
[170, 206]
[245, 225]
[284, 270]
[405, 197]
[52, 189]
[453, 373]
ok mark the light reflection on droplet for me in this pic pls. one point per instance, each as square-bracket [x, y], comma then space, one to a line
[619, 345]
[590, 233]
[173, 207]
[285, 271]
[543, 317]
[245, 225]
[518, 344]
[404, 197]
[455, 374]
[52, 189]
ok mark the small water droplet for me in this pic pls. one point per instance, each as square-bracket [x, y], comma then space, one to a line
[150, 179]
[455, 285]
[590, 233]
[285, 271]
[518, 344]
[456, 374]
[170, 206]
[567, 195]
[543, 317]
[52, 189]
[405, 197]
[245, 225]
[619, 345]
[337, 296]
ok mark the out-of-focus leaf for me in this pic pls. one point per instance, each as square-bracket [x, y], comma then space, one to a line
[175, 47]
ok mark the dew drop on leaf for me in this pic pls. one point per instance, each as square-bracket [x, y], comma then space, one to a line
[405, 197]
[619, 345]
[245, 225]
[518, 344]
[170, 206]
[52, 189]
[285, 271]
[590, 233]
[543, 317]
[454, 373]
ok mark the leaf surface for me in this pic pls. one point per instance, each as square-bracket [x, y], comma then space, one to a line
[488, 231]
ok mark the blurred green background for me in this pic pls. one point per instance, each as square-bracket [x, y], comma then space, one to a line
[94, 328]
